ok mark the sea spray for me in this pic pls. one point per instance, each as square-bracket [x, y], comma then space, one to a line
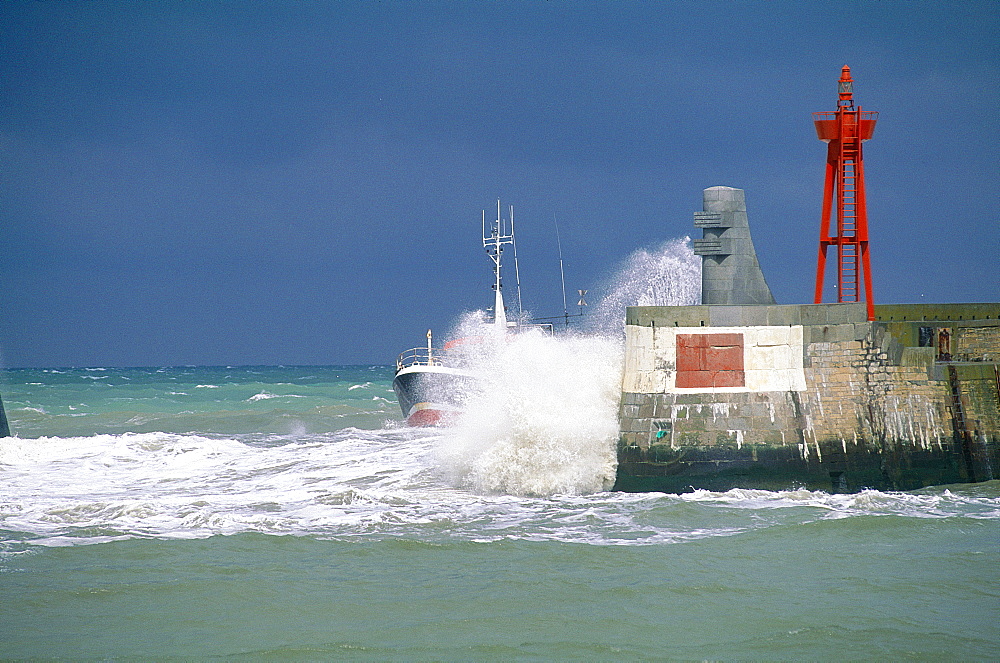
[543, 419]
[669, 275]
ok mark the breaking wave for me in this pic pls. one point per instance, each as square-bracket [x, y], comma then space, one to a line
[386, 484]
[544, 417]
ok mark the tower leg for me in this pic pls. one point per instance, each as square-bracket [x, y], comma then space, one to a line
[863, 235]
[820, 269]
[824, 224]
[867, 270]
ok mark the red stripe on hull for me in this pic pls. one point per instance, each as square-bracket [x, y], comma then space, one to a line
[426, 417]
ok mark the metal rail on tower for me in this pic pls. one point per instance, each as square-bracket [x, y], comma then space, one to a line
[844, 130]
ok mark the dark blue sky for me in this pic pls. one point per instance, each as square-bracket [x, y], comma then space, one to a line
[302, 182]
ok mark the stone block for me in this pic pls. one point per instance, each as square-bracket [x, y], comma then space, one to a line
[691, 438]
[846, 313]
[695, 424]
[725, 439]
[829, 334]
[755, 316]
[977, 371]
[664, 401]
[640, 425]
[784, 421]
[784, 315]
[726, 316]
[773, 336]
[771, 357]
[862, 330]
[817, 334]
[636, 440]
[832, 333]
[815, 314]
[738, 423]
[682, 316]
[775, 438]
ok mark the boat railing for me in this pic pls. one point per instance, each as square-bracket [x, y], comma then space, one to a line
[456, 353]
[420, 357]
[544, 327]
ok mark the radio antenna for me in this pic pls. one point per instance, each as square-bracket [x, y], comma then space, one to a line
[517, 274]
[562, 275]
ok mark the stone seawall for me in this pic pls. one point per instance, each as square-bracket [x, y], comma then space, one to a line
[718, 397]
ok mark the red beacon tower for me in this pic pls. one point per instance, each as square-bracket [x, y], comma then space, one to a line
[843, 130]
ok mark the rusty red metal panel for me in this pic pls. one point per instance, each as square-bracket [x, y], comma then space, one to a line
[709, 360]
[729, 379]
[689, 352]
[723, 359]
[723, 340]
[693, 379]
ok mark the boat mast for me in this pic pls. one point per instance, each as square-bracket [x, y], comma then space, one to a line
[494, 242]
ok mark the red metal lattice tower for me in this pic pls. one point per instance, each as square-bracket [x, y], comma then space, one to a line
[843, 130]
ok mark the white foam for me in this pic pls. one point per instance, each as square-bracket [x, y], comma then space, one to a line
[544, 418]
[385, 483]
[263, 396]
[166, 485]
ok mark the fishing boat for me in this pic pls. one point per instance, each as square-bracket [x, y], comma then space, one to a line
[431, 384]
[430, 387]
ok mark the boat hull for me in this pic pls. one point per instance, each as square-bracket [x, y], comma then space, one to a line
[432, 395]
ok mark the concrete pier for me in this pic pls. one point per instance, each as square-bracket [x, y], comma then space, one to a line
[775, 397]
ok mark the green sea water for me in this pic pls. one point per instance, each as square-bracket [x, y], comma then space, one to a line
[283, 513]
